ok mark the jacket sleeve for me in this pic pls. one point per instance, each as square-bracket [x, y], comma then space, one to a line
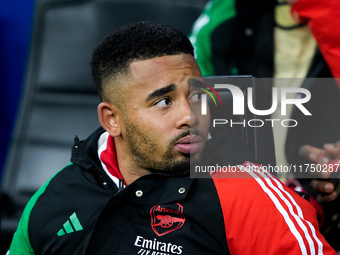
[263, 216]
[215, 13]
[20, 243]
[323, 18]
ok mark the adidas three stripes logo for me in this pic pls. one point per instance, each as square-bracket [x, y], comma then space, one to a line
[71, 225]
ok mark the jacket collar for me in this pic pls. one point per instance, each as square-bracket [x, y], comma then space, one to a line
[84, 155]
[224, 148]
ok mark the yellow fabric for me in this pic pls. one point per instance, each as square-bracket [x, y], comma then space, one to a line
[294, 50]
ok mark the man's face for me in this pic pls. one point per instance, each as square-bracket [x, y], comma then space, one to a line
[161, 127]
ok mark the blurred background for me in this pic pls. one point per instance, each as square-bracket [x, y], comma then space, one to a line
[16, 17]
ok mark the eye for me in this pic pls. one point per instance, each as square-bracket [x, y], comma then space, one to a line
[163, 102]
[196, 97]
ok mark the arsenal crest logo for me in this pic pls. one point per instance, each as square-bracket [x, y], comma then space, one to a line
[166, 219]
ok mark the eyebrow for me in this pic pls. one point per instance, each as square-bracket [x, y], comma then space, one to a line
[161, 92]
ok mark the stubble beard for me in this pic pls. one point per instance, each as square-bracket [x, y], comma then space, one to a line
[143, 148]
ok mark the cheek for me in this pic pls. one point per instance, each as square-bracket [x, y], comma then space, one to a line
[154, 120]
[153, 130]
[204, 120]
[204, 124]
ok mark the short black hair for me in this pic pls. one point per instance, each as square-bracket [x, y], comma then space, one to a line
[138, 41]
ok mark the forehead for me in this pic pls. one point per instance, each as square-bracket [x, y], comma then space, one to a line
[177, 62]
[162, 71]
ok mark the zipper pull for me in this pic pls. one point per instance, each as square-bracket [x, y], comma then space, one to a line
[121, 185]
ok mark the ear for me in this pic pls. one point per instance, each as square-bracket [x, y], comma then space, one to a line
[108, 115]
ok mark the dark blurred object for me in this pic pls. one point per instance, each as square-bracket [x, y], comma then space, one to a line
[320, 128]
[259, 140]
[331, 226]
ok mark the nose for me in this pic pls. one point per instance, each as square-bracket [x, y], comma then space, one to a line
[186, 117]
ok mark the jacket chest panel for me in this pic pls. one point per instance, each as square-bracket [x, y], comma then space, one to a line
[184, 226]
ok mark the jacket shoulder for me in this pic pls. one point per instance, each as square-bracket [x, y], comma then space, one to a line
[263, 216]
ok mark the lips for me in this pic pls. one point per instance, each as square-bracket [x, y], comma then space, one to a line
[190, 144]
